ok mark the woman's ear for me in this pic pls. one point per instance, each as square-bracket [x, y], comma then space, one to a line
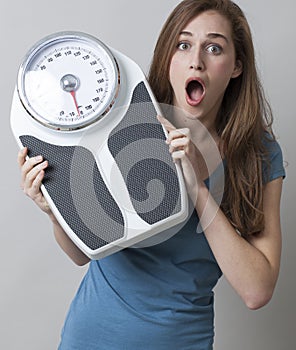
[237, 69]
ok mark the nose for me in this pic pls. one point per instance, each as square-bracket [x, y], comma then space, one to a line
[196, 61]
[195, 67]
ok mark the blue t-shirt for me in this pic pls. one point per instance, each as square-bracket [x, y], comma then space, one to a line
[155, 298]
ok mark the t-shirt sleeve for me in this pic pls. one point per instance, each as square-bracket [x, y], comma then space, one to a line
[273, 165]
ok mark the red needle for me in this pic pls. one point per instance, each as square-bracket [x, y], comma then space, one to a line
[75, 101]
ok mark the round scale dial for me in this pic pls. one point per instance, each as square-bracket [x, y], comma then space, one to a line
[68, 81]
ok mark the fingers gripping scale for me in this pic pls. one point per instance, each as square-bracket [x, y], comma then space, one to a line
[89, 111]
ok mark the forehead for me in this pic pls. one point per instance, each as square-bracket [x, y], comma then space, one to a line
[209, 22]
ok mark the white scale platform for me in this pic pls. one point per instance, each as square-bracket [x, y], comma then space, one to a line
[89, 111]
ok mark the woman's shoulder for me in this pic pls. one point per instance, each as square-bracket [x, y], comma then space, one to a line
[273, 164]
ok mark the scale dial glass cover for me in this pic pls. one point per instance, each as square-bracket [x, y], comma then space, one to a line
[68, 81]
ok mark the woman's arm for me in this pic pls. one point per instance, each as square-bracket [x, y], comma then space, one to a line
[32, 174]
[251, 265]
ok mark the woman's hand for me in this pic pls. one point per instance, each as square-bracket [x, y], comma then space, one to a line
[32, 174]
[184, 150]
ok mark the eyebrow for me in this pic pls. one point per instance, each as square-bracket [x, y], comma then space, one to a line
[209, 35]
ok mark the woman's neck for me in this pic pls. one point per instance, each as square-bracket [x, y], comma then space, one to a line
[204, 136]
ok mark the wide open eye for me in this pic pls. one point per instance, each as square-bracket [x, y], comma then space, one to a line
[214, 49]
[183, 46]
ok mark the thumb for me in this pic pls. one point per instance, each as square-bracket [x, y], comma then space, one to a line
[165, 123]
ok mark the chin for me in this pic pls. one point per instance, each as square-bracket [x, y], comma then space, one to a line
[193, 113]
[189, 112]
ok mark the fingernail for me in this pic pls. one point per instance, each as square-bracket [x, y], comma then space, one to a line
[38, 158]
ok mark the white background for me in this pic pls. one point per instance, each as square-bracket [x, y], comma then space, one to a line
[37, 280]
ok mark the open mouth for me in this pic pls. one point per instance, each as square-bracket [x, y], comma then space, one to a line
[195, 92]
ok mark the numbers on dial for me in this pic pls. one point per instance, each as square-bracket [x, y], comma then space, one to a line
[69, 83]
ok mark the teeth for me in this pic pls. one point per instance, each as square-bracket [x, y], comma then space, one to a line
[194, 90]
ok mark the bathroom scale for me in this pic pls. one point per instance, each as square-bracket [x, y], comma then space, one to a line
[88, 109]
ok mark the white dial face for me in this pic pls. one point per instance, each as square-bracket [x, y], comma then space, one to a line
[68, 81]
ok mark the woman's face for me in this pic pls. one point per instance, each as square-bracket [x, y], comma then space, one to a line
[202, 66]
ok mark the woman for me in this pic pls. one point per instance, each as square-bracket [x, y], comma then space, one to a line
[161, 297]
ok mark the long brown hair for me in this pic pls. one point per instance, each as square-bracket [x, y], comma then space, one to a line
[244, 115]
